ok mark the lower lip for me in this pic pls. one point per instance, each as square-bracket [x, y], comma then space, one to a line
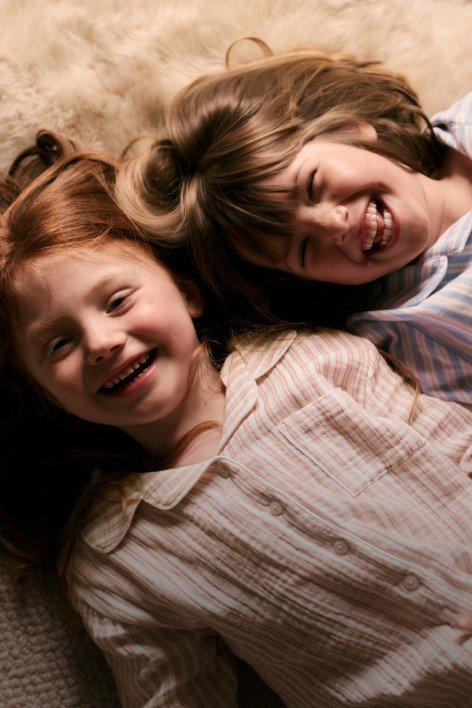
[134, 385]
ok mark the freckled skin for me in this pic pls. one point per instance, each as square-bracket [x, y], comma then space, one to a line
[102, 328]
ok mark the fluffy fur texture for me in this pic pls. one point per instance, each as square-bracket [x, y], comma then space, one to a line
[104, 71]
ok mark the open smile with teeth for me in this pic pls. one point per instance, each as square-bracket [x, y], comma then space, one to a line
[131, 373]
[378, 227]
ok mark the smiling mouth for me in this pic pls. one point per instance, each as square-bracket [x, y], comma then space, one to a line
[140, 367]
[377, 227]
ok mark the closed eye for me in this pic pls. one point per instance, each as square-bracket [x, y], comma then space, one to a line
[302, 251]
[310, 187]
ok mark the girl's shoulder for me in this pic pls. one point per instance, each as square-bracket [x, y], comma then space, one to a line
[331, 344]
[453, 126]
[332, 354]
[309, 353]
[460, 110]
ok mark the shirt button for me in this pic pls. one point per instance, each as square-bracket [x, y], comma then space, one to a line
[411, 583]
[276, 508]
[341, 547]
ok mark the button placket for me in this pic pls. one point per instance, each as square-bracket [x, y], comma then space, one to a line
[411, 583]
[223, 471]
[276, 508]
[341, 547]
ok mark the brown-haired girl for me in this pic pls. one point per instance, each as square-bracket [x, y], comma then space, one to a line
[289, 508]
[313, 188]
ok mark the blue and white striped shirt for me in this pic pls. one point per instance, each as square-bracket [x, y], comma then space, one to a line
[426, 315]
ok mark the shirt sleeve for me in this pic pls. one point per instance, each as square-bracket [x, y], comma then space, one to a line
[162, 667]
[447, 425]
[436, 349]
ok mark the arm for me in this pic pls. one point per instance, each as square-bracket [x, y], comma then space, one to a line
[157, 666]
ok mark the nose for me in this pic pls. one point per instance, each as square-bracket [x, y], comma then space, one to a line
[330, 221]
[102, 343]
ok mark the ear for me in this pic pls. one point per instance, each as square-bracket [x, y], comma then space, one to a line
[366, 131]
[193, 297]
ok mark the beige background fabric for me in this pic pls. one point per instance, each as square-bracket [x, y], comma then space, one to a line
[39, 663]
[104, 71]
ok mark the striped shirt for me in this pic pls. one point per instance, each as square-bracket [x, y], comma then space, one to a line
[327, 543]
[426, 315]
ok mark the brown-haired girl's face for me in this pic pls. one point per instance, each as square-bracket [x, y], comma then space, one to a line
[107, 333]
[356, 215]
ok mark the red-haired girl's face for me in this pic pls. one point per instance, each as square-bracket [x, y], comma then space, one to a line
[357, 215]
[108, 334]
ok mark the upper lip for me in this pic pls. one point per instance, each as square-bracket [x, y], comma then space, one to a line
[123, 367]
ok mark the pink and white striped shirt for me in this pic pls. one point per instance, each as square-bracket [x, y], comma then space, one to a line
[328, 544]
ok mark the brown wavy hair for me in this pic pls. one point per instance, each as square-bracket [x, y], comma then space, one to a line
[226, 132]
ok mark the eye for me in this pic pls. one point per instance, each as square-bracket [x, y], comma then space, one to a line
[117, 302]
[58, 345]
[302, 251]
[311, 187]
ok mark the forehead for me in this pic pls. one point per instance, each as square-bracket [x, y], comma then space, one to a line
[316, 150]
[42, 279]
[92, 259]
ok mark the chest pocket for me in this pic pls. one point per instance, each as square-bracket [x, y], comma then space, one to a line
[352, 447]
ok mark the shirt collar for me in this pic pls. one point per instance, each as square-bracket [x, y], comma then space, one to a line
[240, 374]
[111, 514]
[414, 283]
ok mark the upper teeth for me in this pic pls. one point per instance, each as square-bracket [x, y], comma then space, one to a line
[126, 372]
[372, 222]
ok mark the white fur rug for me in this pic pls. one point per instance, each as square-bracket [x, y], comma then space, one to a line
[104, 71]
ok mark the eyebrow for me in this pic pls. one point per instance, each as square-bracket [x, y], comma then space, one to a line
[40, 330]
[308, 192]
[295, 187]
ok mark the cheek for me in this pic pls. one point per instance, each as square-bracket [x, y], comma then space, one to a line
[64, 379]
[53, 390]
[167, 320]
